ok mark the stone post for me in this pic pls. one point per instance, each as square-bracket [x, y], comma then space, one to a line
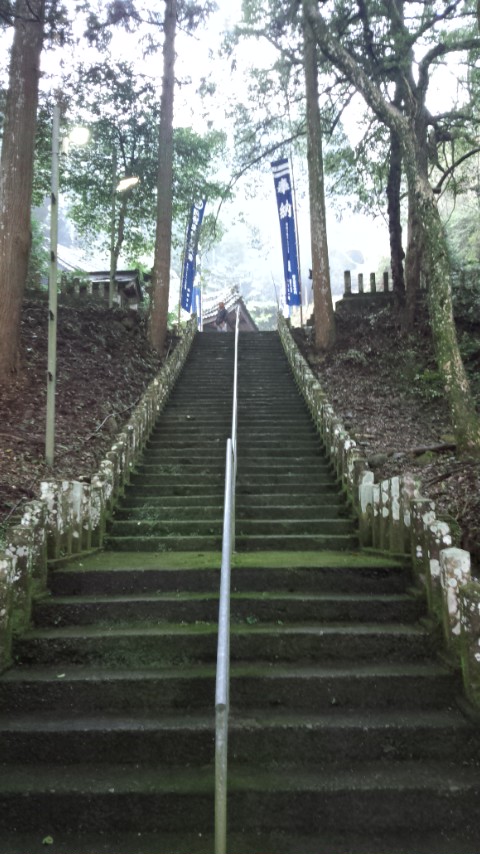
[396, 533]
[6, 580]
[423, 513]
[366, 509]
[455, 571]
[469, 597]
[347, 282]
[20, 551]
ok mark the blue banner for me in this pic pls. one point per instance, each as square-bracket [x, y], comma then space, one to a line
[189, 261]
[286, 214]
[197, 306]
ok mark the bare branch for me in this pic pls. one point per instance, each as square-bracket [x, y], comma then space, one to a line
[438, 187]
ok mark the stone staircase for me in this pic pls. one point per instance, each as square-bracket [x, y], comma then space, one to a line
[347, 735]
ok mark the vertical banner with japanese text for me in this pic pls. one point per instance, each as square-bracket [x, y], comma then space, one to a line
[189, 261]
[286, 214]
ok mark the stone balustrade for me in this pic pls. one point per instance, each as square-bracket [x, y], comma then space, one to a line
[393, 517]
[70, 517]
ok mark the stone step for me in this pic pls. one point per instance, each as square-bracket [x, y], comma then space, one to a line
[281, 502]
[313, 688]
[245, 479]
[155, 645]
[369, 796]
[274, 738]
[400, 841]
[344, 573]
[159, 512]
[243, 542]
[211, 487]
[142, 527]
[250, 608]
[216, 459]
[215, 446]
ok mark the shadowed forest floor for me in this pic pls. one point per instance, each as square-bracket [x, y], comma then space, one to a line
[384, 387]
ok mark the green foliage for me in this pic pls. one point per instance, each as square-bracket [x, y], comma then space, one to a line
[38, 264]
[429, 385]
[466, 295]
[463, 231]
[353, 357]
[121, 110]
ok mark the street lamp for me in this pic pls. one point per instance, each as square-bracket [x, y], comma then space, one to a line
[123, 184]
[78, 136]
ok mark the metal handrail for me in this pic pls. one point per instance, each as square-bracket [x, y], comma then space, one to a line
[223, 645]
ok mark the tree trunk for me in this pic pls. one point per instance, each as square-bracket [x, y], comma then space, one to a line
[397, 254]
[163, 239]
[414, 259]
[16, 174]
[322, 294]
[416, 234]
[436, 262]
[465, 421]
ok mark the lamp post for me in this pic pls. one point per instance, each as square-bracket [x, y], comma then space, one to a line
[123, 184]
[79, 136]
[52, 292]
[111, 288]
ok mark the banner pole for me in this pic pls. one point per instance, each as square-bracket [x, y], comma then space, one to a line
[190, 255]
[286, 213]
[181, 275]
[294, 194]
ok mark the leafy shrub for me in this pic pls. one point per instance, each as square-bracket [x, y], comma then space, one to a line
[429, 384]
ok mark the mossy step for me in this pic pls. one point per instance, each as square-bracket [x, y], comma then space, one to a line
[369, 796]
[177, 478]
[267, 429]
[298, 687]
[147, 645]
[281, 502]
[276, 442]
[184, 465]
[208, 488]
[399, 841]
[175, 464]
[142, 527]
[124, 574]
[294, 475]
[250, 608]
[164, 527]
[156, 512]
[332, 510]
[250, 542]
[210, 394]
[186, 512]
[214, 450]
[262, 737]
[190, 420]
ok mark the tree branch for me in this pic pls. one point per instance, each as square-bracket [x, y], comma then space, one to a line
[438, 187]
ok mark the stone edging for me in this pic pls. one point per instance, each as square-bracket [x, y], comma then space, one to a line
[393, 517]
[70, 516]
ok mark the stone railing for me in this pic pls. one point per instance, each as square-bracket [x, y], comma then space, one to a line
[70, 516]
[374, 287]
[394, 518]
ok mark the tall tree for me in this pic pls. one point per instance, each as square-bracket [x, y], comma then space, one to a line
[16, 171]
[292, 83]
[163, 237]
[322, 294]
[191, 14]
[411, 129]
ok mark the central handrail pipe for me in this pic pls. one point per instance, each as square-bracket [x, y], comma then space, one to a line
[222, 687]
